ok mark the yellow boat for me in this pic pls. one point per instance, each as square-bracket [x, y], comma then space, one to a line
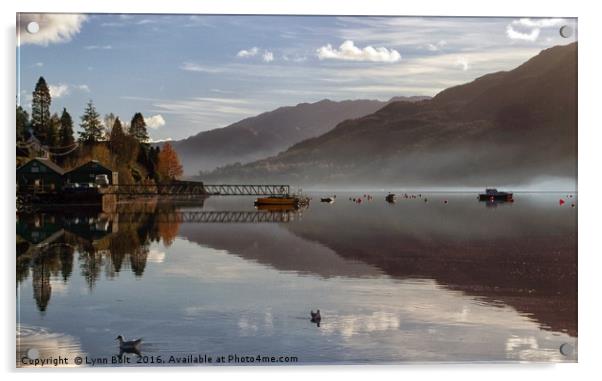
[277, 208]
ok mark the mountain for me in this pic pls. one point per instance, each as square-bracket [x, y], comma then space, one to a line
[508, 127]
[268, 133]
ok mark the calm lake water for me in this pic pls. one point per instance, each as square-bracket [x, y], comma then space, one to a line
[413, 281]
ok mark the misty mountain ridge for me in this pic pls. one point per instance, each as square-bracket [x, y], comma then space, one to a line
[269, 133]
[504, 127]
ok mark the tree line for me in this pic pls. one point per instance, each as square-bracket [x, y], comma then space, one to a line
[123, 147]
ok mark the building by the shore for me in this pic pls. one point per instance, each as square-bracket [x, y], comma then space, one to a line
[43, 175]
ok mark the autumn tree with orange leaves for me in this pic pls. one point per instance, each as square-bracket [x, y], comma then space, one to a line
[169, 166]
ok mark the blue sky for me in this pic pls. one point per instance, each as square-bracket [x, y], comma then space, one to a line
[188, 74]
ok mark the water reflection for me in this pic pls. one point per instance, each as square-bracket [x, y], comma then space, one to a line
[103, 243]
[382, 273]
[47, 345]
[493, 203]
[111, 242]
[523, 254]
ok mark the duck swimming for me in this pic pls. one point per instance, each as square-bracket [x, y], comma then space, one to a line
[128, 346]
[315, 317]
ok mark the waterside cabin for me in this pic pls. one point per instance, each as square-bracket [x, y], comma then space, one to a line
[40, 175]
[86, 173]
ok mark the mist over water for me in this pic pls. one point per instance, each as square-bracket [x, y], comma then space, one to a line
[539, 184]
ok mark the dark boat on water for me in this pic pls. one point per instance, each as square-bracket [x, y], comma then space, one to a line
[328, 199]
[287, 200]
[492, 194]
[391, 197]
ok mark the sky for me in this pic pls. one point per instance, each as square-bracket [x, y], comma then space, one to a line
[193, 73]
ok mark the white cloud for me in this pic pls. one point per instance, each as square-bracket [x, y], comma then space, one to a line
[98, 47]
[513, 34]
[437, 46]
[57, 91]
[463, 63]
[248, 53]
[268, 56]
[190, 66]
[54, 28]
[62, 89]
[526, 29]
[349, 52]
[155, 121]
[205, 107]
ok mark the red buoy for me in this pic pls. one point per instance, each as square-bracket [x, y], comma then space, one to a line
[561, 202]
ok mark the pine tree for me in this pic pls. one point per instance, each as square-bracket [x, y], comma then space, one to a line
[66, 130]
[40, 111]
[117, 137]
[22, 124]
[169, 164]
[153, 157]
[138, 128]
[124, 146]
[52, 138]
[91, 125]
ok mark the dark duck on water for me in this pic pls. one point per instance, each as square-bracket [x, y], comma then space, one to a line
[315, 317]
[129, 346]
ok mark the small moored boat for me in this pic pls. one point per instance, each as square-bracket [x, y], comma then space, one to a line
[327, 199]
[291, 200]
[492, 194]
[391, 197]
[284, 208]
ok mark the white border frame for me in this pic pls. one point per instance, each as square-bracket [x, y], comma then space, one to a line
[588, 162]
